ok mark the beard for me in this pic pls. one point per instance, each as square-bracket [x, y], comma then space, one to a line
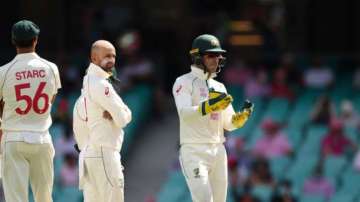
[106, 64]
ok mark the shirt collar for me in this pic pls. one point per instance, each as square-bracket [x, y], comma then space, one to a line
[200, 73]
[98, 71]
[26, 56]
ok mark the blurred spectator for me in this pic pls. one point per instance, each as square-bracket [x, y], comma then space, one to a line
[239, 160]
[348, 115]
[69, 173]
[294, 78]
[283, 193]
[260, 173]
[335, 142]
[236, 73]
[318, 185]
[245, 195]
[65, 144]
[356, 79]
[280, 87]
[61, 114]
[273, 143]
[139, 69]
[323, 111]
[257, 86]
[318, 76]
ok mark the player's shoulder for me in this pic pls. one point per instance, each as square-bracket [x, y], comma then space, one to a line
[97, 83]
[184, 79]
[48, 63]
[7, 65]
[217, 84]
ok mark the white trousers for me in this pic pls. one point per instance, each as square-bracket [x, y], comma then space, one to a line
[22, 162]
[205, 169]
[103, 176]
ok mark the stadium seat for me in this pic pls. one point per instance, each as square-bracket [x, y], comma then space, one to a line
[312, 143]
[301, 169]
[312, 198]
[295, 136]
[278, 166]
[342, 197]
[262, 192]
[72, 194]
[175, 189]
[333, 165]
[350, 181]
[277, 109]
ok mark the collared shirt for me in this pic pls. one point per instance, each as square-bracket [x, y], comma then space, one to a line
[100, 96]
[189, 91]
[27, 86]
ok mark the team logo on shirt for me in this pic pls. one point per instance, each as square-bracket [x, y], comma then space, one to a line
[203, 92]
[107, 91]
[214, 116]
[196, 173]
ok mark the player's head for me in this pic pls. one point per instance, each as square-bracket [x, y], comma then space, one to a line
[24, 34]
[103, 54]
[206, 53]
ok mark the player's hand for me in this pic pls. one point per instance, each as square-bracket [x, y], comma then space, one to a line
[217, 101]
[107, 115]
[248, 107]
[240, 118]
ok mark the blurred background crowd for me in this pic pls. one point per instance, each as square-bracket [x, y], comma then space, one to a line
[296, 60]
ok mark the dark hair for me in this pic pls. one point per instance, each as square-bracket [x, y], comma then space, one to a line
[24, 43]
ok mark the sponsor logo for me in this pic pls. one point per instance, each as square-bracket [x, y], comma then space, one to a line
[215, 42]
[107, 91]
[214, 116]
[196, 173]
[178, 89]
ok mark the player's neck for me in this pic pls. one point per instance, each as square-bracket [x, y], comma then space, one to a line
[25, 50]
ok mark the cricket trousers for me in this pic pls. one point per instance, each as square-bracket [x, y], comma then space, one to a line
[103, 176]
[205, 169]
[22, 162]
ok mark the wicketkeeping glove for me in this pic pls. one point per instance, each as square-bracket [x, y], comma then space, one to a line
[239, 118]
[217, 101]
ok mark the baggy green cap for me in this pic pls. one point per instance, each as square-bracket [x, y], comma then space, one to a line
[24, 30]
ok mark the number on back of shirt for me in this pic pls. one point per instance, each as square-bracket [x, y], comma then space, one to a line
[31, 102]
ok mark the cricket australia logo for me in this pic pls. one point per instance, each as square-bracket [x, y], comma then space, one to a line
[215, 42]
[196, 173]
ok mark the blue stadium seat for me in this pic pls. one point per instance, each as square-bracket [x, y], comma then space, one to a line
[262, 192]
[312, 198]
[277, 109]
[350, 181]
[333, 165]
[278, 166]
[342, 197]
[70, 194]
[295, 136]
[301, 169]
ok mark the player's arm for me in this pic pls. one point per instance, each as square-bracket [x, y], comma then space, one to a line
[105, 95]
[183, 101]
[1, 113]
[187, 111]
